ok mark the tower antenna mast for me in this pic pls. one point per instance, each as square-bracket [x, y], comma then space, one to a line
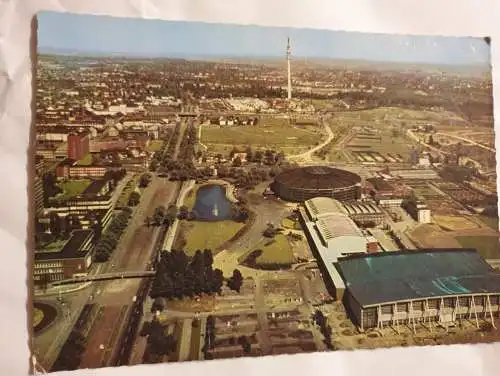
[288, 56]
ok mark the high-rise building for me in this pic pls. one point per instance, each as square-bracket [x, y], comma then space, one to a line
[288, 56]
[78, 146]
[38, 195]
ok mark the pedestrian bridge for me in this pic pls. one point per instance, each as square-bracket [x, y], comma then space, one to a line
[106, 277]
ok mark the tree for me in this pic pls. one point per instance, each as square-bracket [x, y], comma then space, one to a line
[153, 166]
[145, 180]
[55, 224]
[159, 215]
[134, 198]
[233, 151]
[249, 154]
[270, 231]
[218, 280]
[237, 162]
[257, 157]
[183, 212]
[236, 280]
[208, 258]
[245, 344]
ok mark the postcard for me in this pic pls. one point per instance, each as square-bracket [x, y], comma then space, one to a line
[212, 191]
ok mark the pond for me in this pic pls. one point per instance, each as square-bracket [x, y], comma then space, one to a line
[212, 204]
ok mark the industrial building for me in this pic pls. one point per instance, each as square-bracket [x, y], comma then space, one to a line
[303, 183]
[418, 287]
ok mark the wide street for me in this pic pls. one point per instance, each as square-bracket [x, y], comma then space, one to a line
[132, 253]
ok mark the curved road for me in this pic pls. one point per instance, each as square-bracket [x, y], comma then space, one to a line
[307, 155]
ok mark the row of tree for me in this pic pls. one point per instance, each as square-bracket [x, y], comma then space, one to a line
[209, 343]
[162, 216]
[178, 276]
[268, 157]
[158, 342]
[321, 321]
[182, 168]
[158, 155]
[108, 242]
[71, 353]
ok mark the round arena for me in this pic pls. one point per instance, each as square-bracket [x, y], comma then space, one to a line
[303, 183]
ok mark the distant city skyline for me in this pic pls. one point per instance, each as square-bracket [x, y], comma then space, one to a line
[65, 32]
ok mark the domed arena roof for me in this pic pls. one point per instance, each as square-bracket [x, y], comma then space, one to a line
[317, 177]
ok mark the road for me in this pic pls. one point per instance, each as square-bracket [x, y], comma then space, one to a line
[471, 142]
[415, 137]
[172, 231]
[154, 238]
[135, 255]
[132, 253]
[307, 156]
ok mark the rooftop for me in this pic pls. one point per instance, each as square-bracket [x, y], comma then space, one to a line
[408, 275]
[334, 226]
[75, 247]
[95, 187]
[320, 206]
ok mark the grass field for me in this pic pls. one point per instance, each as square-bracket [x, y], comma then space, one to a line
[190, 198]
[201, 235]
[383, 120]
[154, 145]
[37, 316]
[85, 161]
[127, 190]
[274, 134]
[490, 221]
[453, 223]
[275, 252]
[487, 246]
[73, 188]
[388, 143]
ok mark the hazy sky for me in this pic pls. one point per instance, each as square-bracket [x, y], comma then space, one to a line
[84, 33]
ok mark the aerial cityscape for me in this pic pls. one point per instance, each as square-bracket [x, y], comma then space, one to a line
[241, 191]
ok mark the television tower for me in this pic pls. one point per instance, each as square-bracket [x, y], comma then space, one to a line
[288, 55]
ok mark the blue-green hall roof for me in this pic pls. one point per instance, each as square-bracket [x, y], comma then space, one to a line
[409, 275]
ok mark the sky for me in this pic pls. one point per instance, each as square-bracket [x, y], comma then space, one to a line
[158, 38]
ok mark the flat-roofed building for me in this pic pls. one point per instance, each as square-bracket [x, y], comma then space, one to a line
[418, 209]
[416, 174]
[332, 235]
[68, 259]
[38, 194]
[68, 168]
[364, 213]
[418, 287]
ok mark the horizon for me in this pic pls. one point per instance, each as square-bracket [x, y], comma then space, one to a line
[88, 54]
[106, 36]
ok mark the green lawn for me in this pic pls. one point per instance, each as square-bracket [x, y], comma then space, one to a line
[72, 188]
[127, 190]
[274, 251]
[37, 316]
[154, 145]
[55, 246]
[85, 161]
[487, 246]
[190, 198]
[204, 234]
[269, 134]
[387, 144]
